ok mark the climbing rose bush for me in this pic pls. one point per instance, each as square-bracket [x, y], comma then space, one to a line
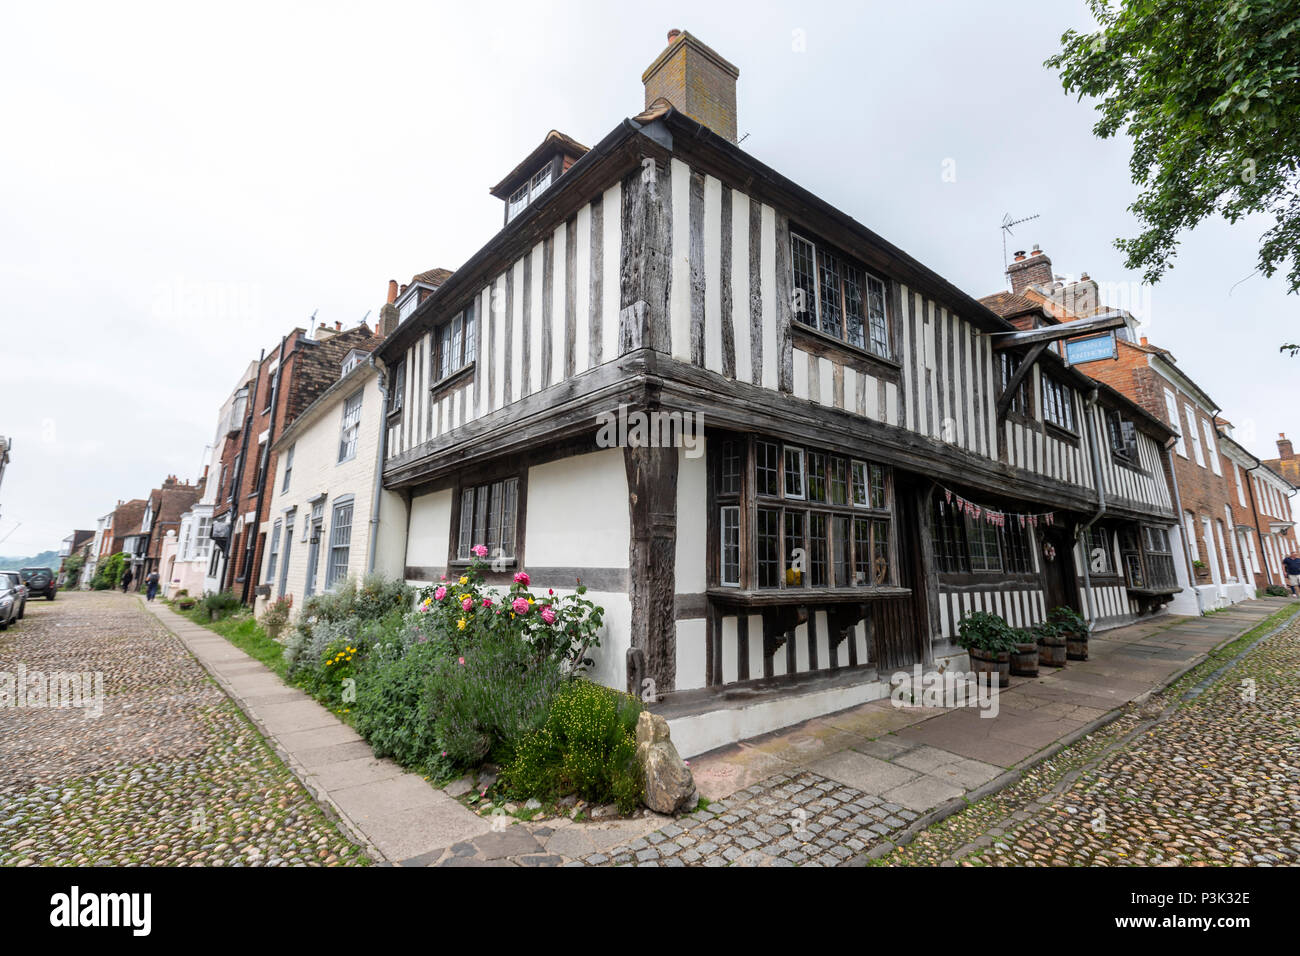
[464, 610]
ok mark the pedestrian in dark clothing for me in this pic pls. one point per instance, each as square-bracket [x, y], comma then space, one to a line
[127, 576]
[1291, 564]
[151, 585]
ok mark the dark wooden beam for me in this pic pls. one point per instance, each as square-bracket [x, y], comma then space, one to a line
[1010, 389]
[652, 555]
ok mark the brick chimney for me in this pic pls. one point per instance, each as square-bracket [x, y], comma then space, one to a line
[697, 81]
[1033, 269]
[392, 290]
[323, 332]
[1284, 449]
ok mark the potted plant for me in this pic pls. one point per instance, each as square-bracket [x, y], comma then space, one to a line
[1051, 644]
[1075, 630]
[1024, 658]
[989, 640]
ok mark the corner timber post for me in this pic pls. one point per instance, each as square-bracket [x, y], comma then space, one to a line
[652, 512]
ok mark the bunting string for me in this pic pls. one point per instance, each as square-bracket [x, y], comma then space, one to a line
[977, 512]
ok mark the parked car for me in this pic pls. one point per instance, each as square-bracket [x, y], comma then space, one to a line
[40, 582]
[13, 598]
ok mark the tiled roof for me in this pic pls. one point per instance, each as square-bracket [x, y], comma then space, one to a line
[434, 277]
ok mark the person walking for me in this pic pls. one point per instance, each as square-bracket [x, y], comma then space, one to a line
[1291, 565]
[151, 585]
[127, 577]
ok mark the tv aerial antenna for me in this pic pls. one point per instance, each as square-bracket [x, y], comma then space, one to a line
[1007, 224]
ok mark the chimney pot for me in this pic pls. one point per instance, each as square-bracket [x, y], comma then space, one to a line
[1036, 270]
[1144, 340]
[392, 290]
[1020, 255]
[338, 326]
[673, 35]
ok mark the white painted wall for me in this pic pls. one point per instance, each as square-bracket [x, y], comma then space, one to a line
[428, 535]
[578, 512]
[317, 470]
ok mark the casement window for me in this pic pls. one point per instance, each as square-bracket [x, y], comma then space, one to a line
[1008, 363]
[1158, 559]
[288, 468]
[1211, 447]
[729, 529]
[1193, 434]
[1171, 412]
[837, 296]
[350, 427]
[203, 537]
[1058, 403]
[409, 305]
[963, 544]
[1122, 436]
[1189, 529]
[820, 520]
[275, 552]
[489, 515]
[397, 388]
[456, 343]
[983, 545]
[340, 544]
[1099, 556]
[528, 193]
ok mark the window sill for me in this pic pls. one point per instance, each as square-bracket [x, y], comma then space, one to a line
[769, 597]
[1059, 431]
[449, 381]
[818, 339]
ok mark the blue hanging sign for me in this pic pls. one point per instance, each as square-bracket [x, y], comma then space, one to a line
[1092, 349]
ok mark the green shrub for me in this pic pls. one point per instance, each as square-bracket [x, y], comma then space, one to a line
[1276, 590]
[109, 572]
[981, 630]
[1068, 621]
[587, 746]
[276, 617]
[390, 710]
[218, 605]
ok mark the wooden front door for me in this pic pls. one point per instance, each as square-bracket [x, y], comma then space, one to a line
[1060, 587]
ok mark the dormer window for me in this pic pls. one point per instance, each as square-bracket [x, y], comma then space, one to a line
[529, 191]
[537, 173]
[354, 359]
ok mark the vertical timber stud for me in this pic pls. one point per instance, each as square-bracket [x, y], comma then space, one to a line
[652, 508]
[645, 269]
[784, 308]
[929, 572]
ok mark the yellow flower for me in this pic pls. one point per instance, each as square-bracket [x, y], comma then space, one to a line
[461, 623]
[464, 580]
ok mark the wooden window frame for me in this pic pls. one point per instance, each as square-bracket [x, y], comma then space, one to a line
[748, 504]
[827, 260]
[477, 478]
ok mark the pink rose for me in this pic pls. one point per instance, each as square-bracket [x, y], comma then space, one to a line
[480, 550]
[439, 594]
[550, 591]
[461, 660]
[487, 602]
[467, 604]
[522, 578]
[548, 614]
[520, 605]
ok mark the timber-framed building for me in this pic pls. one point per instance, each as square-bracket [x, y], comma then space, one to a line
[877, 456]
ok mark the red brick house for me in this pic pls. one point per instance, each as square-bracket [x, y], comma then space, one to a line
[1226, 543]
[287, 378]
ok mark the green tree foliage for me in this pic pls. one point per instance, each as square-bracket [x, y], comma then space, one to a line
[1209, 91]
[109, 572]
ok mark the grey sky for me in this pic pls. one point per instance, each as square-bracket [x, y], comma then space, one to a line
[181, 185]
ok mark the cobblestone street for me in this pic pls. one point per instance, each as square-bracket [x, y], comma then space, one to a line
[1205, 773]
[170, 773]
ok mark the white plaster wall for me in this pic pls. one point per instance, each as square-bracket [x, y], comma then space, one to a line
[317, 470]
[691, 639]
[390, 540]
[692, 522]
[578, 512]
[429, 533]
